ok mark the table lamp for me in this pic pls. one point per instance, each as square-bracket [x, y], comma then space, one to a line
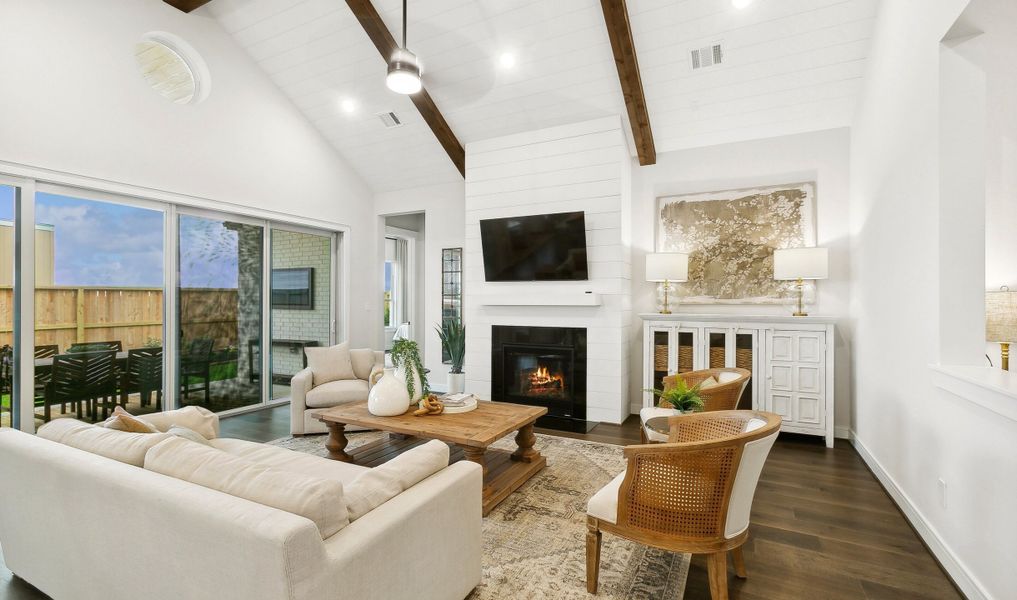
[667, 267]
[798, 264]
[1001, 321]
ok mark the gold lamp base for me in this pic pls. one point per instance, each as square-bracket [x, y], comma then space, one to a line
[1004, 356]
[800, 287]
[667, 305]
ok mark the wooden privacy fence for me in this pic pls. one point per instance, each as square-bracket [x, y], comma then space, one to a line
[65, 315]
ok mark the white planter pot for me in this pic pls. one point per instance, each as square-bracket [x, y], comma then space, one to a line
[400, 372]
[456, 383]
[388, 397]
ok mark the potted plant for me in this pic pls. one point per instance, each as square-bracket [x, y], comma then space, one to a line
[410, 368]
[453, 340]
[680, 397]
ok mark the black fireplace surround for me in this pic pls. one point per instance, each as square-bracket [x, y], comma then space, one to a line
[541, 366]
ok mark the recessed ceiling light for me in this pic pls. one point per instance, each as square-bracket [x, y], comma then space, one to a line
[348, 105]
[740, 4]
[507, 60]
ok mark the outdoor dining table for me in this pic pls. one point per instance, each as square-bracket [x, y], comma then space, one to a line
[47, 363]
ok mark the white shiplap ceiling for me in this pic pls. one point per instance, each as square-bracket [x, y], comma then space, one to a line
[790, 66]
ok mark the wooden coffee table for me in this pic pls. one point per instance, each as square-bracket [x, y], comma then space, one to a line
[470, 433]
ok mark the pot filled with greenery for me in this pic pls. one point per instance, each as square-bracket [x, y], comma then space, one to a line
[680, 397]
[410, 368]
[453, 340]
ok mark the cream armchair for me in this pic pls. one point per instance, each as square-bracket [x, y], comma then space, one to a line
[306, 398]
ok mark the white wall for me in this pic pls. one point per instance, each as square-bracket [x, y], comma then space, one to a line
[583, 166]
[912, 433]
[444, 225]
[74, 102]
[822, 157]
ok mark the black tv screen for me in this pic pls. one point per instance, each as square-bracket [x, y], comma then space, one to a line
[293, 288]
[535, 248]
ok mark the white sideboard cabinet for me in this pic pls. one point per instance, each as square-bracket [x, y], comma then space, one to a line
[791, 360]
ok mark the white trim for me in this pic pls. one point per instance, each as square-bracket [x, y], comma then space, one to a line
[951, 563]
[991, 388]
[84, 182]
[242, 410]
[24, 313]
[843, 433]
[170, 316]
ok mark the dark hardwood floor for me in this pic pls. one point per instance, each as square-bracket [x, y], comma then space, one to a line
[822, 526]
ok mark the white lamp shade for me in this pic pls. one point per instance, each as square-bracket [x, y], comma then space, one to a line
[800, 263]
[1001, 316]
[667, 266]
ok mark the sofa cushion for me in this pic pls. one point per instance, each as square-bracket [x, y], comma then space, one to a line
[289, 460]
[335, 393]
[122, 446]
[121, 420]
[189, 434]
[197, 418]
[317, 499]
[386, 481]
[330, 364]
[363, 362]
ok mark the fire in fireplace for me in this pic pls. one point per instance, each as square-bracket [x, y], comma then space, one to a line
[542, 366]
[544, 382]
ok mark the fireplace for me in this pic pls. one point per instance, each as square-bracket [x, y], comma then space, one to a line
[541, 366]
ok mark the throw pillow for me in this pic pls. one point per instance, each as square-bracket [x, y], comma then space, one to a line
[330, 364]
[709, 382]
[188, 434]
[121, 420]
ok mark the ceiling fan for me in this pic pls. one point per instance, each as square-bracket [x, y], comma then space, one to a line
[403, 67]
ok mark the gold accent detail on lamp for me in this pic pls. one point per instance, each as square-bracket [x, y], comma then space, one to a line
[667, 267]
[1001, 321]
[799, 264]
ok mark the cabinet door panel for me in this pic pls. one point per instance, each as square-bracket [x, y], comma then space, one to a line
[808, 410]
[809, 347]
[781, 378]
[782, 346]
[808, 379]
[781, 404]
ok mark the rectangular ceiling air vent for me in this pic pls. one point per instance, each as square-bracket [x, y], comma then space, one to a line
[390, 119]
[707, 56]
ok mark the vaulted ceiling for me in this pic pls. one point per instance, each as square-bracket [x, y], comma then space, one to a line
[788, 66]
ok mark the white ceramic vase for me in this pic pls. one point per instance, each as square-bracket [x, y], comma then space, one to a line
[400, 372]
[388, 397]
[456, 383]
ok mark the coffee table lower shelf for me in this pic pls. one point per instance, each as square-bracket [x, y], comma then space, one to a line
[502, 473]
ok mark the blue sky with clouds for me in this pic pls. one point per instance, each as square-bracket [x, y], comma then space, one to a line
[107, 244]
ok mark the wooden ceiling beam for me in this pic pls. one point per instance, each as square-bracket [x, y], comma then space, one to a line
[386, 44]
[187, 5]
[616, 16]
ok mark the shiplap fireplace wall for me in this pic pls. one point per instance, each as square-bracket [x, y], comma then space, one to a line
[579, 167]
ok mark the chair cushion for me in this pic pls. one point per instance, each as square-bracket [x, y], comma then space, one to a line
[121, 446]
[317, 499]
[189, 434]
[121, 420]
[289, 460]
[709, 382]
[384, 482]
[727, 376]
[648, 413]
[330, 364]
[335, 393]
[197, 418]
[604, 504]
[363, 362]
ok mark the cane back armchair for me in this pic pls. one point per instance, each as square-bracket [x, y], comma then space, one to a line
[722, 392]
[692, 494]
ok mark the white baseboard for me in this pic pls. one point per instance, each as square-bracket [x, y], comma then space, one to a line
[843, 433]
[967, 583]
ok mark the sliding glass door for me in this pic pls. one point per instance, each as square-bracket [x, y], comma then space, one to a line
[303, 306]
[220, 297]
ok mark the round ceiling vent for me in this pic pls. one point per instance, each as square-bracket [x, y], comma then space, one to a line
[172, 68]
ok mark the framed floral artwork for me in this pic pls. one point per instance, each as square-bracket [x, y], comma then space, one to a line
[730, 237]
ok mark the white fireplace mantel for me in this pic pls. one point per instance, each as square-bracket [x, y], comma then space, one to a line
[530, 298]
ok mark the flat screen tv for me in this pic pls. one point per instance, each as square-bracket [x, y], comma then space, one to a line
[535, 248]
[293, 288]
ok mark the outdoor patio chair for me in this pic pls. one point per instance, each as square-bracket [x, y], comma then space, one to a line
[196, 363]
[7, 380]
[42, 375]
[142, 374]
[82, 377]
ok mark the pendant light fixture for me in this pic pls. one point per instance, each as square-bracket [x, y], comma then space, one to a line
[403, 67]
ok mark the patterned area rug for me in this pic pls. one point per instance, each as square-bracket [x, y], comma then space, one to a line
[535, 540]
